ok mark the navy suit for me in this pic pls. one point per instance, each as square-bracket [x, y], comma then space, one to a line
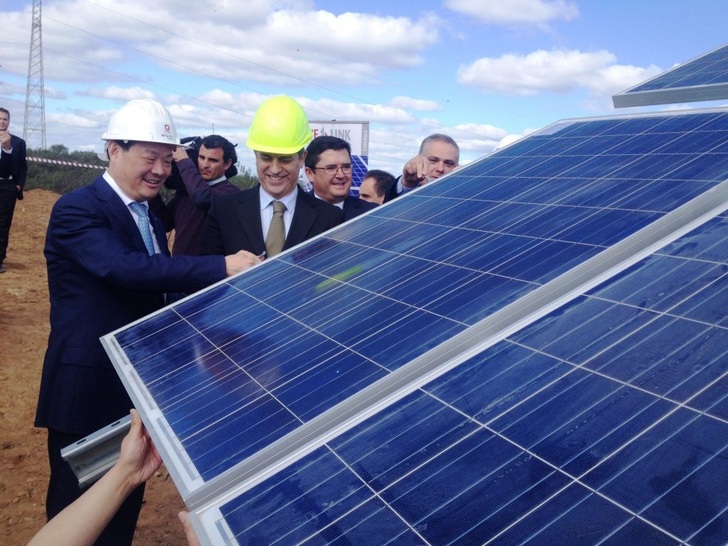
[100, 278]
[233, 222]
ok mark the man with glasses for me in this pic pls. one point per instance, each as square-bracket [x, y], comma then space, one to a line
[439, 155]
[328, 167]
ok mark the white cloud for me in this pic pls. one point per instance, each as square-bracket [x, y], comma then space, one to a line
[476, 139]
[281, 43]
[328, 109]
[515, 12]
[7, 89]
[77, 120]
[121, 94]
[552, 71]
[408, 103]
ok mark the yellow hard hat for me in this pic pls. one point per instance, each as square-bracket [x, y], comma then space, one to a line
[279, 126]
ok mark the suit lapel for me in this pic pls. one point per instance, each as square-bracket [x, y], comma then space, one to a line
[122, 216]
[159, 233]
[304, 218]
[249, 218]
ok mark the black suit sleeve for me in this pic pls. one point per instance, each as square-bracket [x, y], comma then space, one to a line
[211, 242]
[20, 162]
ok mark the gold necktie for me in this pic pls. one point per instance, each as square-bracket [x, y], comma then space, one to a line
[276, 231]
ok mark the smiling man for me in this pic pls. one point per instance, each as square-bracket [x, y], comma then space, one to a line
[198, 182]
[439, 155]
[329, 169]
[108, 265]
[275, 215]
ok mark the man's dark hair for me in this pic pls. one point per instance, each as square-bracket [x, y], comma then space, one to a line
[5, 110]
[322, 143]
[228, 149]
[123, 144]
[383, 181]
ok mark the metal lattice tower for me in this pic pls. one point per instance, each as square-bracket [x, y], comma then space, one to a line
[34, 125]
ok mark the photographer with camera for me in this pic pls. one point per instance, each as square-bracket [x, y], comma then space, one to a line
[200, 172]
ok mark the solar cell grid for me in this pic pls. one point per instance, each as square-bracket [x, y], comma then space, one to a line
[245, 369]
[526, 443]
[702, 78]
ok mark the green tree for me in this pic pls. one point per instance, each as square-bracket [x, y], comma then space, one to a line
[57, 169]
[245, 178]
[65, 175]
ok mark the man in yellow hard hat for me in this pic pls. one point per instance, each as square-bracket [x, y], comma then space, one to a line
[274, 215]
[108, 265]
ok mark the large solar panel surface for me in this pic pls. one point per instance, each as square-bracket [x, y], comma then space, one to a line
[606, 422]
[701, 79]
[248, 380]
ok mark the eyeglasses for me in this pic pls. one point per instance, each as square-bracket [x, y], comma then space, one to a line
[331, 169]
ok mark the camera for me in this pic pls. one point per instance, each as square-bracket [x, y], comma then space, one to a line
[192, 143]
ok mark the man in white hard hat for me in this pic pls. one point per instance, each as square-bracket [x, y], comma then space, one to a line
[108, 265]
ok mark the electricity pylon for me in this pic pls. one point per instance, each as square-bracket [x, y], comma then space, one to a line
[34, 125]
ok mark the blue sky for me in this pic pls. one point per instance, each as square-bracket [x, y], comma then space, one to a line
[478, 70]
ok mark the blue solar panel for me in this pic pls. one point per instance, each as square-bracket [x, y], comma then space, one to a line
[703, 78]
[602, 423]
[266, 374]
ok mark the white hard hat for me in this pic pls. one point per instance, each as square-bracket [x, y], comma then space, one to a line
[142, 120]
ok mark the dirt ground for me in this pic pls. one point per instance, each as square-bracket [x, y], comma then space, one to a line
[23, 336]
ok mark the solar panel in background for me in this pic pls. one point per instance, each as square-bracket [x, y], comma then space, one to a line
[246, 379]
[605, 422]
[703, 78]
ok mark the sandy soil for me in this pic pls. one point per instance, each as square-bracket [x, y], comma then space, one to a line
[23, 336]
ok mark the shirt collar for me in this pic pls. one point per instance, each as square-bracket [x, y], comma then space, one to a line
[340, 204]
[289, 200]
[117, 189]
[217, 180]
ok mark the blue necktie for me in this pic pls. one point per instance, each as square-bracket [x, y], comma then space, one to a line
[141, 212]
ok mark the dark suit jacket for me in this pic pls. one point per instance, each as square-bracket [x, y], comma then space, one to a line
[100, 278]
[353, 207]
[19, 167]
[233, 222]
[392, 192]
